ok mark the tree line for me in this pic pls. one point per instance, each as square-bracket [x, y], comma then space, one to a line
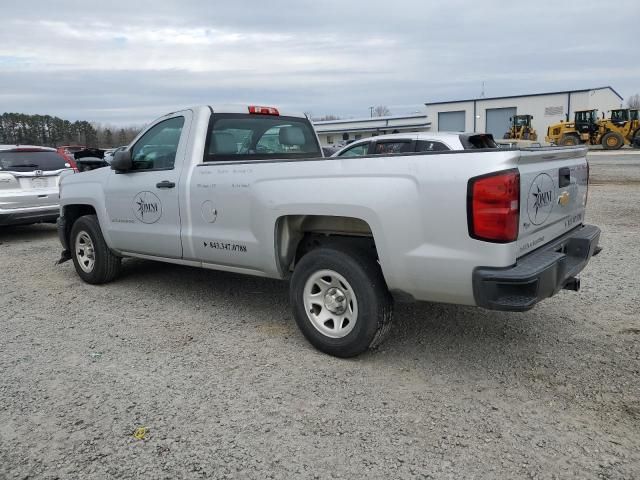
[634, 101]
[50, 131]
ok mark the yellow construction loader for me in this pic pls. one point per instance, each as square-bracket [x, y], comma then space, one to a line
[634, 115]
[627, 121]
[521, 129]
[588, 128]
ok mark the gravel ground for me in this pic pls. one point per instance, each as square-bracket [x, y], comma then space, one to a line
[213, 366]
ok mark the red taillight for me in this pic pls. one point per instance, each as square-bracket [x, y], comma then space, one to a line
[263, 110]
[493, 206]
[70, 160]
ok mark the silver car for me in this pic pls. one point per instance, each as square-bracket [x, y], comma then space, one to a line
[29, 184]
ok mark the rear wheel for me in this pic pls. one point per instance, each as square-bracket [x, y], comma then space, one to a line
[569, 141]
[612, 141]
[636, 139]
[95, 263]
[340, 301]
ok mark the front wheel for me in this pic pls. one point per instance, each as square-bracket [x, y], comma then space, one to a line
[95, 263]
[340, 301]
[612, 141]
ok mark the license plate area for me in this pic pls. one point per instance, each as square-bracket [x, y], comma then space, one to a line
[39, 182]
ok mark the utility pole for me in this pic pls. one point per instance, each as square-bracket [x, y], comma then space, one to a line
[370, 112]
[482, 93]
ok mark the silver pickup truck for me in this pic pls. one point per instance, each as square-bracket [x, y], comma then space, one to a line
[246, 190]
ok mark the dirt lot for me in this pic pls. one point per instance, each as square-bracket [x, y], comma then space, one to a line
[215, 369]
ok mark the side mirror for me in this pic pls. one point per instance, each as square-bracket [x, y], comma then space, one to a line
[122, 161]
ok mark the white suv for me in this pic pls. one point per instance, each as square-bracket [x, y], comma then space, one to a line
[29, 184]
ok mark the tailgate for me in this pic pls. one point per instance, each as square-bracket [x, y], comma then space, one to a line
[553, 194]
[26, 189]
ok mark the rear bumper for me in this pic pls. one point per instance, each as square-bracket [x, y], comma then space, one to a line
[25, 216]
[538, 275]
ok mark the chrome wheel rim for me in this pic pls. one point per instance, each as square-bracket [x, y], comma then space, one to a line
[85, 252]
[330, 303]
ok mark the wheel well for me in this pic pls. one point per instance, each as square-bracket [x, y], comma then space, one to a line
[73, 212]
[297, 235]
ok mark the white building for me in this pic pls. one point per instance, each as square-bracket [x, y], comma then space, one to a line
[491, 115]
[335, 132]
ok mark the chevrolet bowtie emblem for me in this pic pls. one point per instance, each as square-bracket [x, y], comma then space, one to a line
[564, 198]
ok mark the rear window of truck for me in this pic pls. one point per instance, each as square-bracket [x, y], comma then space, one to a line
[235, 137]
[28, 161]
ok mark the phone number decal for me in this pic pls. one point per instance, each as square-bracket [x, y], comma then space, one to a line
[232, 247]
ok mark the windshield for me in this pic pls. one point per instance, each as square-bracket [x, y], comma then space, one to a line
[620, 115]
[249, 137]
[522, 121]
[28, 161]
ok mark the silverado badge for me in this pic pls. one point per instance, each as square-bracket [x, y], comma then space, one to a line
[564, 198]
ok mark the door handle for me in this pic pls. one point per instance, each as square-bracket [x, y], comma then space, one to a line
[165, 184]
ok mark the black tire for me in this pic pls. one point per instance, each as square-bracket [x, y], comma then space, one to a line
[106, 265]
[365, 281]
[635, 142]
[612, 141]
[569, 141]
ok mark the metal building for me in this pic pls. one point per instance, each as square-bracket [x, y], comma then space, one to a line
[491, 115]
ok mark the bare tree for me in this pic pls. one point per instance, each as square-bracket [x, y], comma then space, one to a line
[634, 101]
[381, 111]
[325, 118]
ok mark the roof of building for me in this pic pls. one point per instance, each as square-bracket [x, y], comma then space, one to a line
[526, 95]
[376, 124]
[367, 119]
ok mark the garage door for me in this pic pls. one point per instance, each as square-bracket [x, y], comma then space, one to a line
[451, 121]
[498, 121]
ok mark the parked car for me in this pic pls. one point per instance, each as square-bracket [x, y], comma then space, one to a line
[329, 151]
[29, 179]
[416, 142]
[90, 159]
[108, 154]
[68, 152]
[499, 229]
[514, 143]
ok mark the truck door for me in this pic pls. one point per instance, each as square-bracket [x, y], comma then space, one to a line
[142, 204]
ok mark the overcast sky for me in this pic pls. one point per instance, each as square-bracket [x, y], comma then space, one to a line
[127, 62]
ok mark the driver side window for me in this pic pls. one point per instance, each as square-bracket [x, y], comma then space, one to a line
[156, 149]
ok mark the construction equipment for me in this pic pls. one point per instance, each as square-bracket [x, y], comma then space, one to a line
[588, 128]
[634, 116]
[627, 122]
[521, 129]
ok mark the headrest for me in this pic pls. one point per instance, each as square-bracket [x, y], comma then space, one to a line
[291, 136]
[223, 144]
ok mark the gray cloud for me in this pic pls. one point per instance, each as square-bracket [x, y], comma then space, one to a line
[127, 62]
